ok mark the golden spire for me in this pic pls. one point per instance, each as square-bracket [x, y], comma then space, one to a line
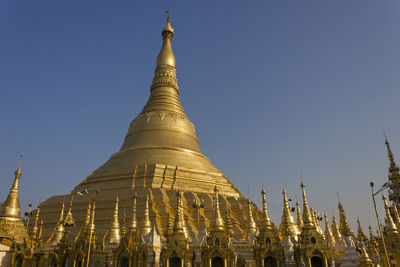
[10, 208]
[58, 231]
[364, 258]
[35, 228]
[85, 227]
[299, 216]
[396, 215]
[390, 226]
[87, 218]
[335, 229]
[266, 221]
[307, 217]
[372, 241]
[113, 236]
[251, 227]
[40, 230]
[328, 233]
[217, 224]
[344, 224]
[133, 225]
[146, 223]
[179, 223]
[361, 236]
[123, 225]
[166, 56]
[393, 165]
[288, 226]
[69, 220]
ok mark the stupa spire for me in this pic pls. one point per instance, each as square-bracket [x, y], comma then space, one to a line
[307, 217]
[35, 228]
[390, 226]
[87, 218]
[166, 55]
[335, 229]
[114, 234]
[133, 225]
[361, 236]
[328, 233]
[58, 231]
[146, 223]
[85, 227]
[217, 221]
[69, 220]
[179, 223]
[251, 226]
[344, 224]
[266, 221]
[390, 155]
[299, 216]
[365, 261]
[396, 215]
[288, 226]
[10, 208]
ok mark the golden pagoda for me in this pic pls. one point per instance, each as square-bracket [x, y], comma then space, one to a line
[182, 210]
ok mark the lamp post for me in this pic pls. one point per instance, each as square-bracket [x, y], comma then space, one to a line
[85, 193]
[384, 186]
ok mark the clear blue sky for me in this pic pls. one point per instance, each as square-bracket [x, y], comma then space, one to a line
[275, 88]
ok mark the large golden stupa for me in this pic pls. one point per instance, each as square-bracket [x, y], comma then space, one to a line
[159, 156]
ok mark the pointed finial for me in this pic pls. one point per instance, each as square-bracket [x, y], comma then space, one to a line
[328, 233]
[344, 224]
[217, 223]
[307, 217]
[133, 225]
[390, 154]
[300, 223]
[339, 203]
[168, 12]
[69, 220]
[58, 232]
[179, 227]
[35, 229]
[18, 171]
[335, 230]
[40, 230]
[251, 227]
[288, 227]
[114, 232]
[390, 226]
[166, 56]
[396, 215]
[266, 221]
[361, 236]
[364, 258]
[146, 223]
